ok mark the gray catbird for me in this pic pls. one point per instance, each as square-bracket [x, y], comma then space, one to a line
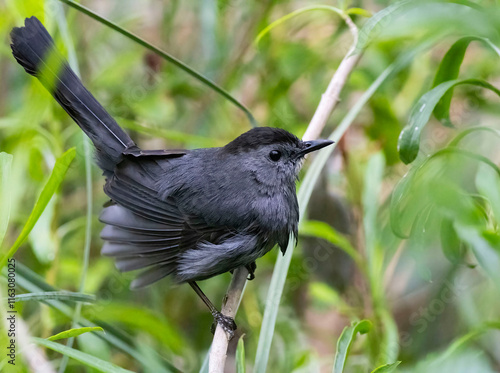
[190, 214]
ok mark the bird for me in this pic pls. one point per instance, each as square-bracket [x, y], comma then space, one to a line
[187, 214]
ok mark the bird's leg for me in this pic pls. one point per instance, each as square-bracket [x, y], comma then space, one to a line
[251, 270]
[227, 323]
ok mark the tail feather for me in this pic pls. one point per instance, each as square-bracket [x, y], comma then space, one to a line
[34, 49]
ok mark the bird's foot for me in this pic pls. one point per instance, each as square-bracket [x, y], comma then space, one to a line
[227, 323]
[251, 270]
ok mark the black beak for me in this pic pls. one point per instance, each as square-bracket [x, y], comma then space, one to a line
[310, 146]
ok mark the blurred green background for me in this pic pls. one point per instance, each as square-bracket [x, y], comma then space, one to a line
[413, 246]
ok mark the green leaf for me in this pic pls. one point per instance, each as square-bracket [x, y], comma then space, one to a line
[86, 359]
[198, 76]
[449, 69]
[325, 231]
[387, 368]
[283, 261]
[5, 187]
[56, 295]
[295, 13]
[75, 332]
[346, 340]
[409, 140]
[452, 247]
[376, 23]
[240, 356]
[55, 179]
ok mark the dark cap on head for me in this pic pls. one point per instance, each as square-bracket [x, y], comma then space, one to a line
[261, 136]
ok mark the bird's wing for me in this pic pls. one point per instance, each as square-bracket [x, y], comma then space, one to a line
[144, 230]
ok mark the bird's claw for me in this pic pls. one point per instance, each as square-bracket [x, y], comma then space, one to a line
[251, 270]
[227, 323]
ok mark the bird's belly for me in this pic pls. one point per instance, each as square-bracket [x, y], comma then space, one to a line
[209, 259]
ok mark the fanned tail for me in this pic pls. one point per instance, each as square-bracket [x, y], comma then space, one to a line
[34, 49]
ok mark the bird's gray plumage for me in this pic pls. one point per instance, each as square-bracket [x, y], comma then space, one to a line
[191, 214]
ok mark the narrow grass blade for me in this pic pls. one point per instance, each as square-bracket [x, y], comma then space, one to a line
[458, 138]
[55, 179]
[82, 357]
[198, 76]
[75, 332]
[56, 295]
[295, 13]
[467, 338]
[372, 184]
[240, 356]
[345, 342]
[5, 166]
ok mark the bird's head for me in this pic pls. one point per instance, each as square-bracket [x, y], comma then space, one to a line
[274, 156]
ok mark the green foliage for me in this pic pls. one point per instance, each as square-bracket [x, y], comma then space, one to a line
[420, 257]
[346, 340]
[387, 368]
[55, 179]
[88, 360]
[409, 141]
[75, 332]
[240, 357]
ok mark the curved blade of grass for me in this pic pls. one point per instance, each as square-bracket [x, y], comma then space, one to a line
[456, 140]
[56, 295]
[449, 69]
[377, 22]
[5, 187]
[469, 337]
[75, 332]
[240, 356]
[346, 340]
[198, 76]
[327, 232]
[55, 179]
[295, 13]
[409, 140]
[387, 368]
[82, 357]
[283, 262]
[170, 134]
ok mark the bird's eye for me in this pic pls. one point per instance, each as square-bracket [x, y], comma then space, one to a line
[275, 155]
